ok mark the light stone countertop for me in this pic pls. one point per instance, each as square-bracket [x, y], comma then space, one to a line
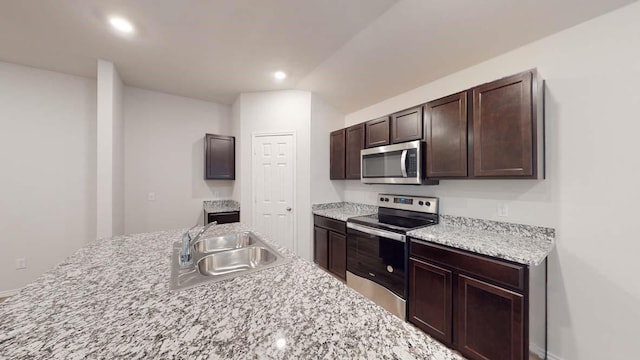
[111, 300]
[343, 210]
[524, 244]
[219, 206]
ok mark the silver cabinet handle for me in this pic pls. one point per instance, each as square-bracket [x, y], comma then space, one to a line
[403, 163]
[288, 209]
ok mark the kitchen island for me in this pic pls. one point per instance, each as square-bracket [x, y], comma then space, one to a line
[111, 299]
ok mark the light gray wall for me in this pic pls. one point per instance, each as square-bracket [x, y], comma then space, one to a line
[590, 195]
[48, 176]
[271, 112]
[164, 142]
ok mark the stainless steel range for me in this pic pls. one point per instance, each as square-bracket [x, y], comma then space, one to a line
[377, 249]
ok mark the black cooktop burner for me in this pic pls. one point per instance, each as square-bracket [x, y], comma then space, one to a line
[398, 221]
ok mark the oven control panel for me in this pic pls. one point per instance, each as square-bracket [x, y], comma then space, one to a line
[412, 203]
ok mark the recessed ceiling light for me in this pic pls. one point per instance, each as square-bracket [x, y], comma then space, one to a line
[121, 24]
[279, 75]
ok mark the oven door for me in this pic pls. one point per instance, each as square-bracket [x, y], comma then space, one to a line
[378, 256]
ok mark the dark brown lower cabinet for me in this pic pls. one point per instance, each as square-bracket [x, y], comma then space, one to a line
[321, 247]
[430, 299]
[338, 254]
[491, 321]
[484, 307]
[330, 245]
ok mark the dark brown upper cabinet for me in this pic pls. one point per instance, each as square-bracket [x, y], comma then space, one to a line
[377, 132]
[354, 143]
[506, 129]
[337, 155]
[220, 157]
[446, 136]
[407, 125]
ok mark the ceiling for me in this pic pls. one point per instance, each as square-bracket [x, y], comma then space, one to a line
[353, 53]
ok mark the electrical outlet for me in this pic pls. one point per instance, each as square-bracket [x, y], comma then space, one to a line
[503, 210]
[21, 263]
[152, 196]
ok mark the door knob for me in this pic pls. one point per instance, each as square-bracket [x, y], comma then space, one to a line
[288, 209]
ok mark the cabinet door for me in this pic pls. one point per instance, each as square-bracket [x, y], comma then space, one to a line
[446, 136]
[503, 128]
[406, 125]
[220, 157]
[430, 299]
[338, 254]
[377, 132]
[321, 247]
[337, 155]
[491, 321]
[355, 143]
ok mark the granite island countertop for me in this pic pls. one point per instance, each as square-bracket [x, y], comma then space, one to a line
[524, 244]
[111, 300]
[343, 210]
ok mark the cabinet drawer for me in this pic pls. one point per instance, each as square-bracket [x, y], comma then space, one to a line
[224, 217]
[502, 272]
[331, 224]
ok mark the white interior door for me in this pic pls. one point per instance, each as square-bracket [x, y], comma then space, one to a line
[273, 187]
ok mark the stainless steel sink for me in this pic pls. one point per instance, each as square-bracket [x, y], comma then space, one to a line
[235, 260]
[223, 257]
[225, 242]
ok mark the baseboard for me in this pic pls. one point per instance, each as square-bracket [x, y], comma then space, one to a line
[540, 352]
[8, 293]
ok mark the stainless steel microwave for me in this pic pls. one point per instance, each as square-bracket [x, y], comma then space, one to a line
[395, 164]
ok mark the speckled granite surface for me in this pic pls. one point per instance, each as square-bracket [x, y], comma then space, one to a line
[343, 210]
[218, 206]
[524, 244]
[111, 300]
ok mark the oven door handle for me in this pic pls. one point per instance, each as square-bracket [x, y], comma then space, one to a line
[377, 232]
[403, 163]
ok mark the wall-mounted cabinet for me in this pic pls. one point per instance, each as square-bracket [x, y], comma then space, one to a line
[354, 143]
[220, 157]
[446, 136]
[377, 132]
[506, 128]
[337, 155]
[492, 131]
[407, 125]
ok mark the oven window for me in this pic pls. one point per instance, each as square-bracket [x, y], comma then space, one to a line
[382, 165]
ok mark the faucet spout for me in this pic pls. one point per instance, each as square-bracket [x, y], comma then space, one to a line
[187, 241]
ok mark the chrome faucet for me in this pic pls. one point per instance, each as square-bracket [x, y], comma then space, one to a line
[187, 241]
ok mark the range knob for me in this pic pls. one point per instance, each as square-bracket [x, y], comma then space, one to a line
[381, 199]
[427, 204]
[420, 202]
[386, 199]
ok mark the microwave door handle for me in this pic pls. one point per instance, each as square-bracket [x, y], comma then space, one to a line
[403, 163]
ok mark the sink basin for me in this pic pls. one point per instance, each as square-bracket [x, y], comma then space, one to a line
[223, 257]
[235, 260]
[225, 242]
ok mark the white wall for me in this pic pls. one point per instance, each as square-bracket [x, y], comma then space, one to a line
[48, 176]
[324, 119]
[110, 152]
[164, 142]
[117, 202]
[590, 195]
[270, 112]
